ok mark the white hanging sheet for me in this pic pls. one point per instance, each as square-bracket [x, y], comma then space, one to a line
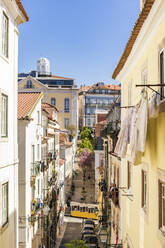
[134, 129]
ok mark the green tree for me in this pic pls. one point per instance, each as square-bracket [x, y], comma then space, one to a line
[86, 133]
[72, 129]
[85, 144]
[76, 244]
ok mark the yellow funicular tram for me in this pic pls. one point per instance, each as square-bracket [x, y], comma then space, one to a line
[84, 210]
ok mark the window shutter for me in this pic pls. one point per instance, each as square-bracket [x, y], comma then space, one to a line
[142, 188]
[160, 203]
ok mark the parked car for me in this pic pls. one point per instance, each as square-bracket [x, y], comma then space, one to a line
[88, 225]
[86, 232]
[93, 246]
[88, 228]
[89, 221]
[91, 239]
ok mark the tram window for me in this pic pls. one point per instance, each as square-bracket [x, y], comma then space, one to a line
[89, 210]
[92, 210]
[83, 209]
[86, 209]
[78, 208]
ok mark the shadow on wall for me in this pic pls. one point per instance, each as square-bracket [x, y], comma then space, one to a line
[8, 233]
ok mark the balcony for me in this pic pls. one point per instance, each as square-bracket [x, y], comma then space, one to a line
[32, 180]
[35, 206]
[114, 195]
[50, 156]
[36, 168]
[111, 129]
[103, 186]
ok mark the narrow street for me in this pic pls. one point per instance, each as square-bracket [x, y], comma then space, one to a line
[72, 231]
[72, 226]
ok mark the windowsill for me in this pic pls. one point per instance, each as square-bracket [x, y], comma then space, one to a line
[161, 236]
[129, 194]
[145, 209]
[4, 58]
[162, 231]
[3, 228]
[4, 139]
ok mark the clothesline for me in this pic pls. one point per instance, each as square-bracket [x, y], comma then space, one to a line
[134, 129]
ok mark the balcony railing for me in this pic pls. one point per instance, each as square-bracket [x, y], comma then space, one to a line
[35, 206]
[114, 195]
[36, 168]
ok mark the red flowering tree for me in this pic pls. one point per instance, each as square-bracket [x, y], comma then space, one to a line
[86, 158]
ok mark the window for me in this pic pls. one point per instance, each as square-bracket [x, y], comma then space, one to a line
[66, 104]
[162, 74]
[4, 113]
[5, 31]
[161, 205]
[66, 122]
[4, 204]
[144, 188]
[129, 175]
[29, 84]
[88, 111]
[88, 122]
[53, 101]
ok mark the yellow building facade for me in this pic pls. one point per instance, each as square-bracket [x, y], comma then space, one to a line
[143, 185]
[58, 96]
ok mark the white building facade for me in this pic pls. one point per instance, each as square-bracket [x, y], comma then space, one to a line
[30, 173]
[12, 14]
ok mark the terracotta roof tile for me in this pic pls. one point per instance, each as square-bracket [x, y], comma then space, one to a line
[84, 88]
[18, 2]
[102, 122]
[107, 86]
[58, 77]
[95, 86]
[48, 105]
[49, 109]
[26, 103]
[136, 30]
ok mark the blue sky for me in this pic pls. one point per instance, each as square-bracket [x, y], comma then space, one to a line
[83, 39]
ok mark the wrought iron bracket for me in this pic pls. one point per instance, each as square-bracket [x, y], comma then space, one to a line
[150, 87]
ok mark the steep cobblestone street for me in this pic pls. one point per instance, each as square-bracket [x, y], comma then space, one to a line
[72, 226]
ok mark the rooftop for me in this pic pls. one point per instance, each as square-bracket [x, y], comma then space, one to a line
[50, 109]
[99, 86]
[26, 104]
[136, 30]
[20, 6]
